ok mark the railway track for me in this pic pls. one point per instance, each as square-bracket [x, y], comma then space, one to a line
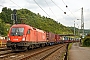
[3, 49]
[42, 55]
[35, 54]
[5, 52]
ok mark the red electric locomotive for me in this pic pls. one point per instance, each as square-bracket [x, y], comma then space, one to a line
[23, 37]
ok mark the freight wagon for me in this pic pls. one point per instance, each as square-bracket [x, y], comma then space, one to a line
[58, 39]
[22, 37]
[50, 38]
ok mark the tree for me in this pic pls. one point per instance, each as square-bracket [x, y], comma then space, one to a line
[3, 28]
[5, 15]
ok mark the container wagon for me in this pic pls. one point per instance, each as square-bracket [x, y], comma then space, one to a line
[50, 38]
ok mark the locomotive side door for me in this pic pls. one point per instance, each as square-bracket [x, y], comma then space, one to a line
[36, 36]
[28, 35]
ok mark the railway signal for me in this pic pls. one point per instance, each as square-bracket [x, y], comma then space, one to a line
[14, 16]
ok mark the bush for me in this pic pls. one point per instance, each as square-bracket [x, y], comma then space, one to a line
[86, 42]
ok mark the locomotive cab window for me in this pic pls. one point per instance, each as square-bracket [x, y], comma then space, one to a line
[17, 31]
[28, 32]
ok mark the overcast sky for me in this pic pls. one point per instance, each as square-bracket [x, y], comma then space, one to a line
[55, 9]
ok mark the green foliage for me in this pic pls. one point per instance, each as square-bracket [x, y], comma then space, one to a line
[70, 45]
[5, 15]
[3, 28]
[32, 19]
[86, 42]
[76, 30]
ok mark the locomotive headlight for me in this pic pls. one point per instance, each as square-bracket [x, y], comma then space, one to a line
[23, 39]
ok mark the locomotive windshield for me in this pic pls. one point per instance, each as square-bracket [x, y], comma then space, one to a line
[17, 31]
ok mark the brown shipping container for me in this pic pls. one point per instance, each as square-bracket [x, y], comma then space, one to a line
[50, 37]
[57, 38]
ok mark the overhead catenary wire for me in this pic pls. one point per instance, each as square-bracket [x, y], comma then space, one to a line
[77, 10]
[72, 13]
[2, 5]
[50, 9]
[19, 7]
[67, 6]
[64, 3]
[69, 9]
[60, 8]
[41, 7]
[57, 5]
[15, 3]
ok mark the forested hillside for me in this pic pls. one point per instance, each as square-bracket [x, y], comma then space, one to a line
[32, 19]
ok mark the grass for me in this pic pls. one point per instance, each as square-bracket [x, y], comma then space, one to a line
[70, 45]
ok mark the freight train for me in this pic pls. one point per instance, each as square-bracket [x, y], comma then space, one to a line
[23, 37]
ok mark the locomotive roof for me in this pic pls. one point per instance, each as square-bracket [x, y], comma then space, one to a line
[22, 25]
